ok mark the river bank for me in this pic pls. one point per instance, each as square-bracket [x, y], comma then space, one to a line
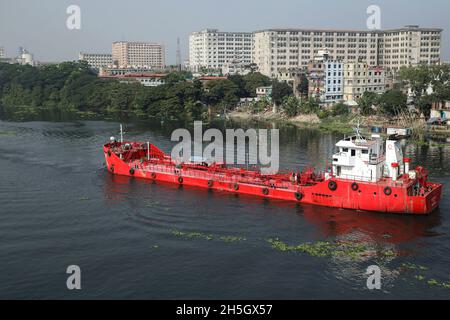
[343, 124]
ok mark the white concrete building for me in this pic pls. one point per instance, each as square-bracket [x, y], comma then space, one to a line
[360, 78]
[409, 46]
[138, 54]
[276, 49]
[2, 52]
[96, 60]
[212, 49]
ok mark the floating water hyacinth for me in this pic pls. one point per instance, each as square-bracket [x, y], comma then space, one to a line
[324, 248]
[192, 235]
[232, 239]
[412, 266]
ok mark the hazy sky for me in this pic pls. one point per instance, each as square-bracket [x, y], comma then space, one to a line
[40, 25]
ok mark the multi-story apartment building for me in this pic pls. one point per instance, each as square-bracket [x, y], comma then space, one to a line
[410, 45]
[360, 78]
[276, 49]
[2, 52]
[211, 48]
[139, 54]
[334, 81]
[96, 60]
[326, 78]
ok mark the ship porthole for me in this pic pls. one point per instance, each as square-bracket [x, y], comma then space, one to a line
[180, 180]
[355, 186]
[236, 187]
[131, 171]
[153, 175]
[265, 191]
[332, 185]
[210, 183]
[298, 196]
[387, 191]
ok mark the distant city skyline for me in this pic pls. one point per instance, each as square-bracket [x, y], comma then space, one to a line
[40, 27]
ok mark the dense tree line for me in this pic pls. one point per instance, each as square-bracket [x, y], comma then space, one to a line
[73, 87]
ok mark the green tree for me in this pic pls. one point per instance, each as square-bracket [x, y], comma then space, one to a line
[291, 106]
[303, 86]
[253, 81]
[366, 103]
[279, 91]
[392, 102]
[418, 79]
[339, 109]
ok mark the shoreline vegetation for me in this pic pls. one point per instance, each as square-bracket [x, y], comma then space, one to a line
[71, 90]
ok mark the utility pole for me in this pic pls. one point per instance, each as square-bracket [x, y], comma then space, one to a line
[178, 54]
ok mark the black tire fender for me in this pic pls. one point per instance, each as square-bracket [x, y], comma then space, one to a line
[355, 186]
[265, 191]
[236, 187]
[210, 183]
[153, 175]
[180, 180]
[332, 185]
[387, 191]
[298, 196]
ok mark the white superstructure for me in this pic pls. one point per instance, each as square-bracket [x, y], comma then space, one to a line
[368, 160]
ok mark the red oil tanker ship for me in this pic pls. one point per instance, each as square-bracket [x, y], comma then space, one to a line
[366, 174]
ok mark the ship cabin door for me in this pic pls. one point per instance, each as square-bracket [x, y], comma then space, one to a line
[338, 168]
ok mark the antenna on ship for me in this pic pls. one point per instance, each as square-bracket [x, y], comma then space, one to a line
[121, 133]
[359, 137]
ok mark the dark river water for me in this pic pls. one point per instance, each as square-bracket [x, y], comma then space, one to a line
[59, 207]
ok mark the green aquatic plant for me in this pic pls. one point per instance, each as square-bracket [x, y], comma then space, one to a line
[8, 133]
[432, 282]
[191, 235]
[323, 249]
[232, 239]
[412, 266]
[419, 277]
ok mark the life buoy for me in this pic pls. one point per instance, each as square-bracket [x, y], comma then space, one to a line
[265, 191]
[236, 187]
[153, 175]
[332, 185]
[210, 183]
[180, 180]
[131, 171]
[387, 191]
[355, 186]
[298, 196]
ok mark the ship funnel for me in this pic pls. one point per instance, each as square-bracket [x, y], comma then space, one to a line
[406, 161]
[394, 166]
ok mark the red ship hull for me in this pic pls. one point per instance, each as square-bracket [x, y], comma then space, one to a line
[384, 196]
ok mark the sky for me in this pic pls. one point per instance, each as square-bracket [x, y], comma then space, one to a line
[40, 25]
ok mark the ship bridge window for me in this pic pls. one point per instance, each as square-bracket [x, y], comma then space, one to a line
[365, 151]
[345, 150]
[353, 152]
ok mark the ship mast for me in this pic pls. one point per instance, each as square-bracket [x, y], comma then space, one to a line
[359, 137]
